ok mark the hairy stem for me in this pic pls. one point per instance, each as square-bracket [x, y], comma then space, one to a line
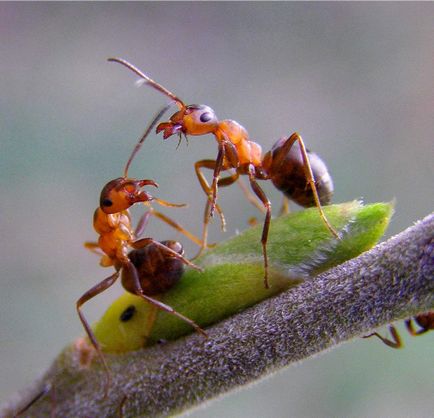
[394, 280]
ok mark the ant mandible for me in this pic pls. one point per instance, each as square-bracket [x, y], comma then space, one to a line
[425, 321]
[236, 152]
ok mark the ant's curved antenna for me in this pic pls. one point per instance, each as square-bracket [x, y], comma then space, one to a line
[148, 80]
[148, 130]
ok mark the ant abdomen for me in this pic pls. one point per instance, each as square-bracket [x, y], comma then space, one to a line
[157, 269]
[289, 176]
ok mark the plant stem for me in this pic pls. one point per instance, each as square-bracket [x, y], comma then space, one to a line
[393, 281]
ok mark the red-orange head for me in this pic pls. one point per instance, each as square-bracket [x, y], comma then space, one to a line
[190, 120]
[121, 193]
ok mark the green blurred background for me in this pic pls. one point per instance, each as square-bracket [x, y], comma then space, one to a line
[356, 80]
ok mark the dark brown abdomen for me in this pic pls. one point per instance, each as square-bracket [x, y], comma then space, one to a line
[158, 270]
[290, 179]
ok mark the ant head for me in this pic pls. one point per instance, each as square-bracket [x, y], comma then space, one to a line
[121, 193]
[190, 120]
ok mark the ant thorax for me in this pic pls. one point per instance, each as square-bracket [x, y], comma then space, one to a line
[248, 152]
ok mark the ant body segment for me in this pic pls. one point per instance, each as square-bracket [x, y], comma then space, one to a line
[158, 270]
[425, 321]
[241, 156]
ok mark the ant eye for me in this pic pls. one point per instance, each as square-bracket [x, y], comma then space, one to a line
[205, 117]
[107, 203]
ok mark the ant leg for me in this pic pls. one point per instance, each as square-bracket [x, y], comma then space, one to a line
[121, 406]
[210, 164]
[412, 331]
[143, 223]
[222, 182]
[249, 196]
[228, 152]
[267, 204]
[396, 343]
[204, 242]
[160, 305]
[43, 392]
[284, 209]
[215, 178]
[169, 204]
[94, 291]
[308, 173]
[93, 247]
[143, 242]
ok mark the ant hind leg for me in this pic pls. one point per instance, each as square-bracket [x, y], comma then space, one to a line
[160, 305]
[267, 204]
[94, 291]
[395, 343]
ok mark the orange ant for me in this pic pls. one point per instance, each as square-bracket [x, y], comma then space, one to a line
[238, 153]
[425, 321]
[112, 222]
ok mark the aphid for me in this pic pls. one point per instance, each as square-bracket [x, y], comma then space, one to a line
[240, 155]
[425, 321]
[117, 237]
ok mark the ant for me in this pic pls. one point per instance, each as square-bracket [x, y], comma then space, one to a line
[112, 221]
[238, 153]
[425, 321]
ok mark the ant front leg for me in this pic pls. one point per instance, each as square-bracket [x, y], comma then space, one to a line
[395, 343]
[137, 290]
[222, 182]
[210, 164]
[267, 204]
[217, 169]
[91, 293]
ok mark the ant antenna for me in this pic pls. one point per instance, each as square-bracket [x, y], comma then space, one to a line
[157, 117]
[149, 80]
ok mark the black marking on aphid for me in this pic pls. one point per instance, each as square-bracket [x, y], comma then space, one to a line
[128, 313]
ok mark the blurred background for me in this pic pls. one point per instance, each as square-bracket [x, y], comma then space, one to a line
[356, 80]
